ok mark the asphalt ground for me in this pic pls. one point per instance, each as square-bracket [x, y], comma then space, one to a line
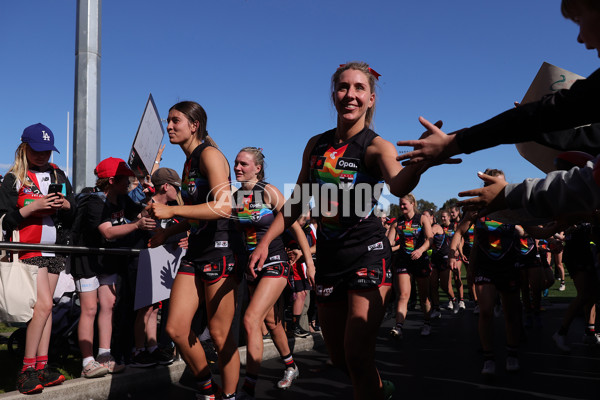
[445, 365]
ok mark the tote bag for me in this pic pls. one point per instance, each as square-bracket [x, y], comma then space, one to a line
[18, 287]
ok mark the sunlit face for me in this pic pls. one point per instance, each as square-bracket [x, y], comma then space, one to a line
[245, 167]
[445, 219]
[406, 207]
[179, 128]
[37, 159]
[353, 96]
[589, 27]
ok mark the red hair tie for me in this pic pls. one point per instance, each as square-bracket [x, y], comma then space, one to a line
[375, 74]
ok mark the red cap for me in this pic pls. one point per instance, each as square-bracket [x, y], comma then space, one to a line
[111, 167]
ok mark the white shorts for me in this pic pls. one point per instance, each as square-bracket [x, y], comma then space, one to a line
[91, 284]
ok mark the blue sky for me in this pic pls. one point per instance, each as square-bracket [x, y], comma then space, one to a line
[261, 69]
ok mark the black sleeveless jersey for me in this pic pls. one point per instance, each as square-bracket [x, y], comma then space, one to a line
[208, 239]
[346, 194]
[255, 217]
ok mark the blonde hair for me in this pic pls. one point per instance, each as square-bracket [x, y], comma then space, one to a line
[21, 166]
[412, 199]
[365, 69]
[259, 159]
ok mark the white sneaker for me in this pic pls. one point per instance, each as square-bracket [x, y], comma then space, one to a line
[461, 305]
[562, 287]
[561, 342]
[591, 340]
[512, 364]
[450, 305]
[436, 314]
[489, 368]
[426, 330]
[396, 333]
[288, 377]
[476, 309]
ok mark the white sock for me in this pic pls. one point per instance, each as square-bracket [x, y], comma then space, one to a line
[102, 352]
[86, 361]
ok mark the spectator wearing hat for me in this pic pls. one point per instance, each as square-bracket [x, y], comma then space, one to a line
[152, 344]
[36, 200]
[102, 221]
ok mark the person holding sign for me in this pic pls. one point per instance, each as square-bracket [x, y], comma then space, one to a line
[207, 273]
[257, 204]
[347, 166]
[36, 199]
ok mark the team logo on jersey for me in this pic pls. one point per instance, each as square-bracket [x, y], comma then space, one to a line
[221, 243]
[317, 162]
[375, 246]
[255, 216]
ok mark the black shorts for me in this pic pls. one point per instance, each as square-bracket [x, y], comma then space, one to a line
[530, 260]
[210, 271]
[420, 268]
[54, 264]
[272, 270]
[334, 289]
[439, 261]
[501, 273]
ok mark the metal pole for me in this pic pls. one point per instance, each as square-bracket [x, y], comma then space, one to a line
[68, 144]
[68, 249]
[86, 129]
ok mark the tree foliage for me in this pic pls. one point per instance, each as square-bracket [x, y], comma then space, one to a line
[450, 203]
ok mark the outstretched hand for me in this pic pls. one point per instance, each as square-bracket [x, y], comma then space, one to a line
[487, 199]
[434, 146]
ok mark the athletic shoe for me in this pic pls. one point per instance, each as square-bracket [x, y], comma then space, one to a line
[426, 330]
[545, 293]
[288, 377]
[476, 309]
[489, 368]
[388, 389]
[561, 342]
[207, 396]
[299, 332]
[562, 287]
[396, 333]
[50, 376]
[94, 369]
[109, 362]
[315, 327]
[455, 308]
[450, 305]
[512, 364]
[28, 382]
[143, 359]
[461, 305]
[591, 340]
[267, 336]
[436, 314]
[162, 356]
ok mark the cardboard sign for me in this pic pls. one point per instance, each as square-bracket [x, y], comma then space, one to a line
[549, 79]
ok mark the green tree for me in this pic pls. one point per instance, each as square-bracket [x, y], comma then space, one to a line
[424, 205]
[450, 203]
[394, 211]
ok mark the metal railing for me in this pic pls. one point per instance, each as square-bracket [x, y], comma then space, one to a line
[55, 248]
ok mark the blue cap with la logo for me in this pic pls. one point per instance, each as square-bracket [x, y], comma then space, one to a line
[39, 137]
